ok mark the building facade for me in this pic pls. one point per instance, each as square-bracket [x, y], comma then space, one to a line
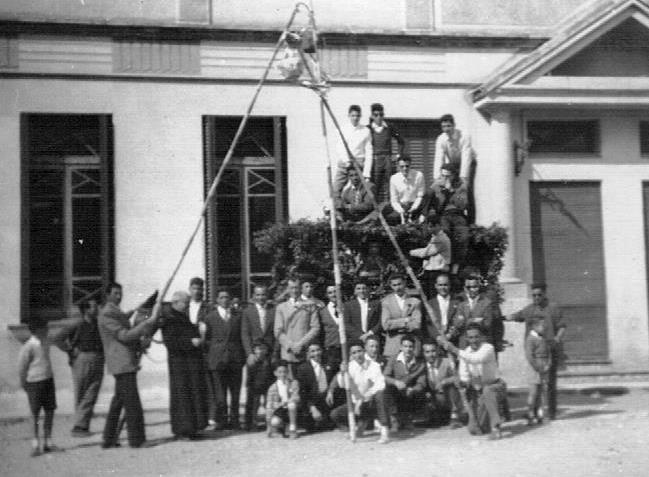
[114, 117]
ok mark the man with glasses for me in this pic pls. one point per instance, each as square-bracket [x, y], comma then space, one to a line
[359, 141]
[553, 334]
[406, 194]
[382, 134]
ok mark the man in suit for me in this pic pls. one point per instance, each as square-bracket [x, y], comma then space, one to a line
[225, 358]
[445, 311]
[364, 315]
[296, 325]
[437, 387]
[477, 307]
[330, 330]
[355, 204]
[258, 322]
[400, 314]
[314, 379]
[121, 343]
[198, 308]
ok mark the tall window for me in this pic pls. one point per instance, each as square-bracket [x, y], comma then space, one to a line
[67, 251]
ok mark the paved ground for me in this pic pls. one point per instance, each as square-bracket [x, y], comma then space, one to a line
[600, 431]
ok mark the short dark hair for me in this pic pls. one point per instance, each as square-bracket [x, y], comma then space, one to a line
[373, 338]
[36, 323]
[84, 305]
[408, 337]
[451, 167]
[433, 219]
[196, 281]
[539, 286]
[351, 167]
[376, 107]
[475, 326]
[405, 158]
[280, 363]
[429, 342]
[447, 118]
[111, 285]
[443, 274]
[359, 281]
[259, 343]
[353, 343]
[220, 290]
[354, 107]
[473, 276]
[397, 276]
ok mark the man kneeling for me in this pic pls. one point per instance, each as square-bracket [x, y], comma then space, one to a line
[366, 383]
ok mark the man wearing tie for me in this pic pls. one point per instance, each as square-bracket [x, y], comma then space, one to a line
[330, 327]
[225, 360]
[364, 315]
[477, 307]
[400, 314]
[314, 381]
[257, 323]
[198, 309]
[445, 310]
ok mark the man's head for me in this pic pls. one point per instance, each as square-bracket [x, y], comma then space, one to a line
[260, 295]
[281, 370]
[307, 289]
[447, 123]
[449, 172]
[398, 284]
[361, 290]
[408, 346]
[373, 248]
[353, 176]
[260, 349]
[443, 285]
[403, 165]
[354, 114]
[430, 351]
[180, 301]
[314, 352]
[331, 293]
[377, 112]
[372, 346]
[38, 327]
[293, 287]
[357, 351]
[114, 293]
[196, 285]
[89, 309]
[474, 335]
[472, 286]
[223, 298]
[539, 293]
[435, 223]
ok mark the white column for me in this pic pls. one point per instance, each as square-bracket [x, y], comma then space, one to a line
[501, 194]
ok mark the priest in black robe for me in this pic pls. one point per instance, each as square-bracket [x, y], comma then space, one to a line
[187, 380]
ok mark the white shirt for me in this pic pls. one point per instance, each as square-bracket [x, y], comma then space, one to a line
[262, 316]
[194, 307]
[34, 360]
[408, 188]
[320, 376]
[225, 314]
[443, 309]
[401, 357]
[282, 390]
[359, 140]
[333, 312]
[401, 301]
[365, 379]
[438, 252]
[364, 311]
[480, 363]
[456, 148]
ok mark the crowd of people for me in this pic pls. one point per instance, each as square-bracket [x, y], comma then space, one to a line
[404, 363]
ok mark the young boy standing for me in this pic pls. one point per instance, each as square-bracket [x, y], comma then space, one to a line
[260, 377]
[37, 379]
[538, 356]
[281, 402]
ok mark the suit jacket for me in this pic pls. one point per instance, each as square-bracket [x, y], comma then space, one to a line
[444, 377]
[330, 335]
[353, 313]
[296, 325]
[430, 327]
[121, 342]
[486, 309]
[251, 328]
[396, 369]
[223, 339]
[393, 321]
[177, 333]
[354, 208]
[309, 392]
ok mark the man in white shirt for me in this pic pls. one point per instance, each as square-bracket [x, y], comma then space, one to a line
[197, 307]
[455, 147]
[436, 255]
[366, 387]
[406, 194]
[479, 373]
[359, 141]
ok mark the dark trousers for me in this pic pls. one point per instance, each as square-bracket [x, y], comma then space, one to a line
[306, 419]
[87, 374]
[440, 406]
[381, 172]
[457, 228]
[397, 402]
[333, 357]
[552, 385]
[370, 410]
[126, 396]
[226, 378]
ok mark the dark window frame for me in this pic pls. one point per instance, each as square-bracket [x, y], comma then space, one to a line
[555, 130]
[643, 135]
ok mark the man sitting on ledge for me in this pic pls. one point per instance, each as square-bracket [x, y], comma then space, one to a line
[406, 194]
[355, 204]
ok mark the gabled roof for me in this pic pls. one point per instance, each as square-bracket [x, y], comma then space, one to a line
[586, 25]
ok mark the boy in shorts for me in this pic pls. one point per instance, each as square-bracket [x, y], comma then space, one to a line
[281, 402]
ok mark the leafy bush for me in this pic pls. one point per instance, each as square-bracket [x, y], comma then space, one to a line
[303, 248]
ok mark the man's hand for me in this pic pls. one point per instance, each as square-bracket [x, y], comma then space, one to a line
[400, 385]
[252, 359]
[202, 329]
[196, 342]
[343, 367]
[315, 414]
[409, 391]
[329, 399]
